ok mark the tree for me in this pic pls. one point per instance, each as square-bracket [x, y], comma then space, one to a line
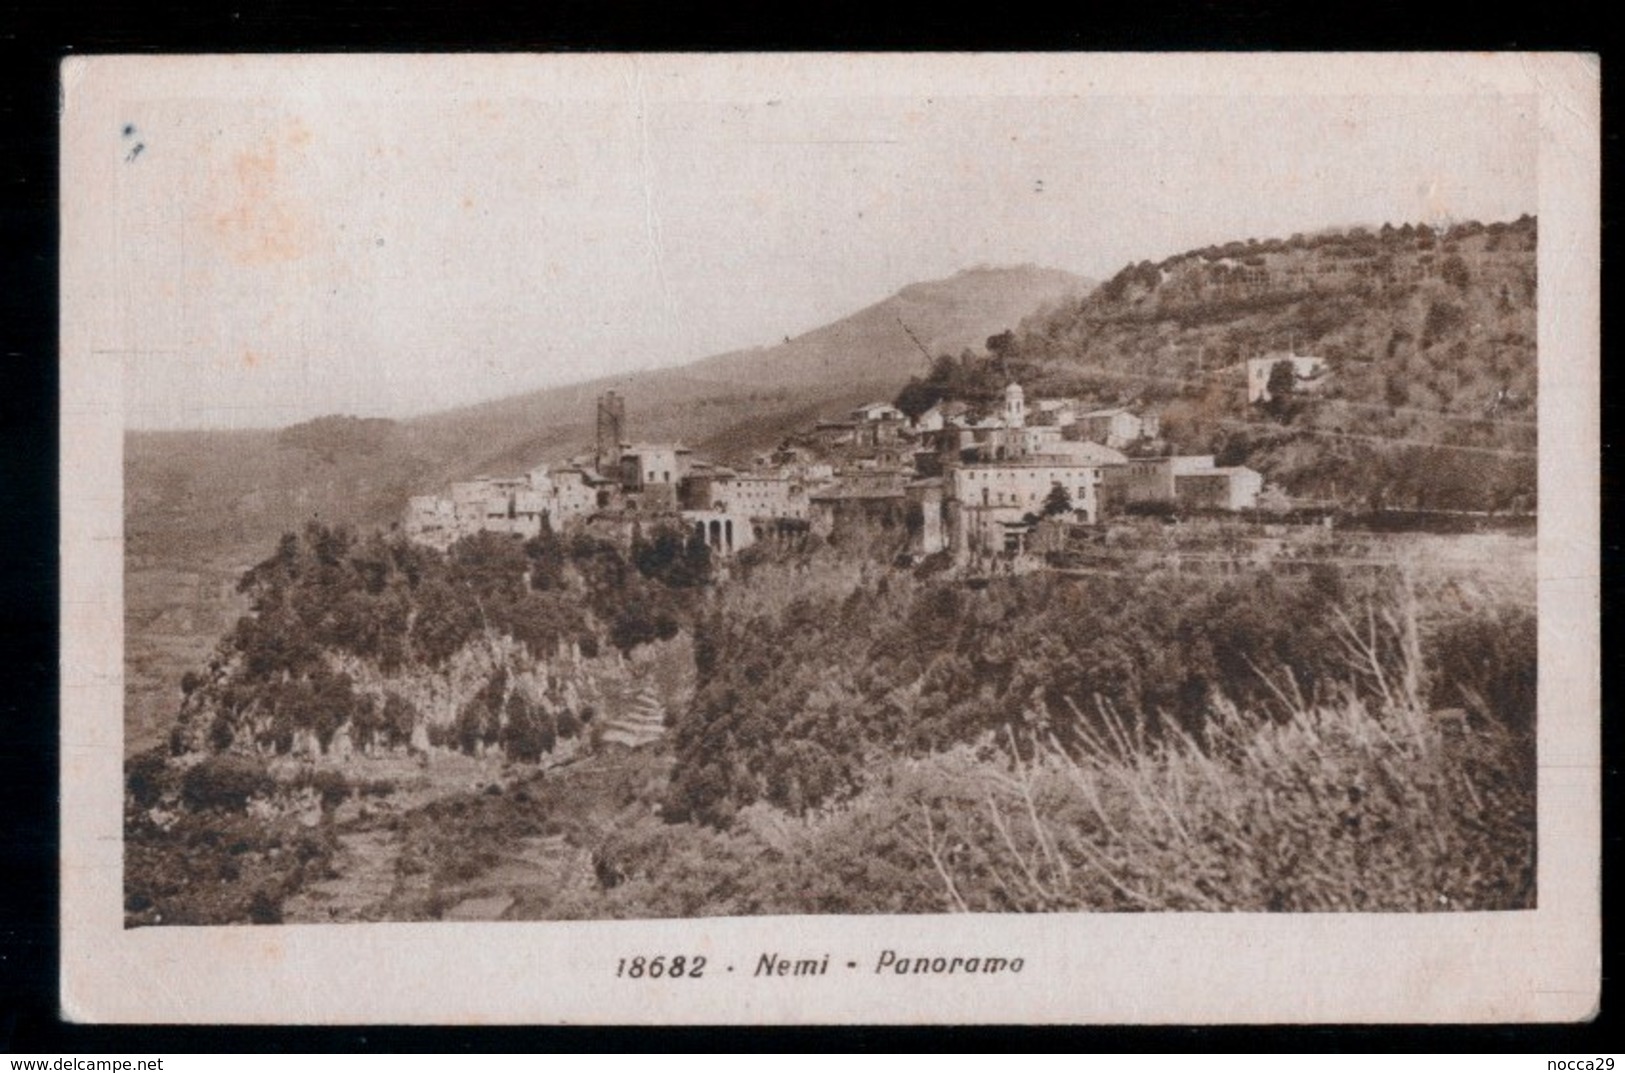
[1283, 381]
[445, 621]
[400, 718]
[524, 736]
[1058, 502]
[546, 554]
[145, 777]
[1442, 319]
[1280, 390]
[1453, 270]
[918, 396]
[632, 627]
[328, 704]
[697, 558]
[673, 557]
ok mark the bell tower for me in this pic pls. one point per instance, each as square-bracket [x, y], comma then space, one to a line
[1015, 407]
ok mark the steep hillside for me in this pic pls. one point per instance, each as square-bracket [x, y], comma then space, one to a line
[1429, 338]
[1449, 316]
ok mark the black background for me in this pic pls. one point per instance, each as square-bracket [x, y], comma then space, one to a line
[34, 38]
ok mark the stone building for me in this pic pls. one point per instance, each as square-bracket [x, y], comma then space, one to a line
[1055, 413]
[1039, 439]
[431, 520]
[1138, 481]
[877, 424]
[1115, 427]
[1190, 481]
[767, 496]
[705, 488]
[646, 464]
[992, 506]
[575, 493]
[1220, 488]
[1078, 453]
[744, 495]
[859, 502]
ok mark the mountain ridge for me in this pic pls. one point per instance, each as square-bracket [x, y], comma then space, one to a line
[252, 474]
[911, 327]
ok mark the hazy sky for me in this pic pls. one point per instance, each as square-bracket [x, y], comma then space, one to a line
[395, 253]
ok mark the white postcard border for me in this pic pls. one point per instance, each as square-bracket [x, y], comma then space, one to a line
[1540, 965]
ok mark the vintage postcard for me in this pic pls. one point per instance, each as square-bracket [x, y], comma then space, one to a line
[830, 539]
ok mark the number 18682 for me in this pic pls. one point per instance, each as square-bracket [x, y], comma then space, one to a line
[655, 968]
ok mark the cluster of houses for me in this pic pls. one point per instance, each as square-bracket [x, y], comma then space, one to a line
[952, 479]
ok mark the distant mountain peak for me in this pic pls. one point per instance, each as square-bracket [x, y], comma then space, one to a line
[883, 342]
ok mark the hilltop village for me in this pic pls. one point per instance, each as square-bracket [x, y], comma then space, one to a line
[972, 484]
[1422, 340]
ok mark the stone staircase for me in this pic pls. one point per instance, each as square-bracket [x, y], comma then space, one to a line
[638, 720]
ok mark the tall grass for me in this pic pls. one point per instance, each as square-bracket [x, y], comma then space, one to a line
[1367, 802]
[1366, 795]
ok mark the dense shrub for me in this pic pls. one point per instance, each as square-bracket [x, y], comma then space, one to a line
[797, 693]
[224, 782]
[1153, 508]
[527, 733]
[1442, 318]
[1486, 663]
[789, 705]
[332, 788]
[147, 777]
[219, 867]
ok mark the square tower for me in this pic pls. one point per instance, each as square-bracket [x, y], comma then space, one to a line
[611, 432]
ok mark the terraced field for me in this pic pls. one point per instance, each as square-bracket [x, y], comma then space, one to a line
[507, 848]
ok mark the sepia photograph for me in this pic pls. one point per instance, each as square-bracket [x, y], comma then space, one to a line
[902, 493]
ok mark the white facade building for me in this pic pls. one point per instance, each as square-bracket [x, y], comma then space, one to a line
[759, 496]
[1026, 485]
